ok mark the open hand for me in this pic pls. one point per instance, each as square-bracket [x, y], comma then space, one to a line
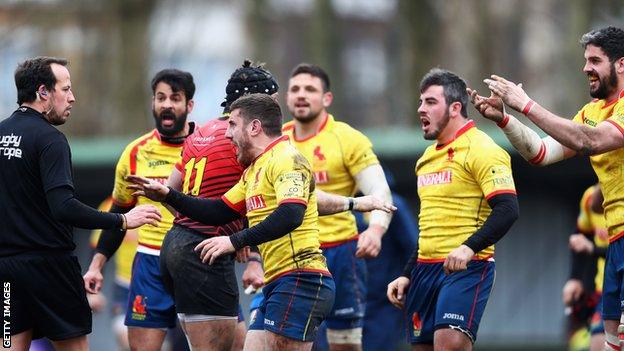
[149, 188]
[212, 248]
[369, 203]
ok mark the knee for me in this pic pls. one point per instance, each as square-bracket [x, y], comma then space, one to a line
[345, 336]
[452, 339]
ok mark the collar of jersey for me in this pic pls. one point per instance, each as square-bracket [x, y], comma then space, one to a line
[328, 118]
[466, 127]
[271, 145]
[609, 103]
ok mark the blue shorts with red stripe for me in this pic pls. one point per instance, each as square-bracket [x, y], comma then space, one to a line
[612, 288]
[455, 301]
[294, 305]
[596, 324]
[149, 304]
[349, 273]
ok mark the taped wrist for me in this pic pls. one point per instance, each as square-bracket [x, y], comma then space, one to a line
[530, 146]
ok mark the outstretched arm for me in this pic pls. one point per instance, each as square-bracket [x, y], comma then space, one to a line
[208, 211]
[578, 137]
[331, 203]
[536, 150]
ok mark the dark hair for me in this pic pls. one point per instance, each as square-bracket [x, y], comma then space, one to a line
[249, 79]
[609, 39]
[454, 87]
[33, 72]
[177, 80]
[314, 71]
[261, 107]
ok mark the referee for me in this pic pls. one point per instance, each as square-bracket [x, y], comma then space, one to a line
[44, 294]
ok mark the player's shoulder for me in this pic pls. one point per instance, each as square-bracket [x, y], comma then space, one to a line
[288, 127]
[137, 143]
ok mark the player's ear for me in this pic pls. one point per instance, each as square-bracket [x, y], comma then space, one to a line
[189, 105]
[619, 65]
[328, 97]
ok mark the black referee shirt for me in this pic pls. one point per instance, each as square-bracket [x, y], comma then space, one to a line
[34, 158]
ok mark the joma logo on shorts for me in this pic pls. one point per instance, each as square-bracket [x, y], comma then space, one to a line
[269, 322]
[453, 316]
[442, 177]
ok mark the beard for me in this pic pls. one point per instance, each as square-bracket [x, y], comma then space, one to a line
[433, 134]
[606, 85]
[244, 157]
[178, 122]
[55, 118]
[306, 118]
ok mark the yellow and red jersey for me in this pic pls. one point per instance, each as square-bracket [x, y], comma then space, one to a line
[281, 175]
[454, 183]
[608, 166]
[125, 254]
[337, 152]
[150, 157]
[593, 223]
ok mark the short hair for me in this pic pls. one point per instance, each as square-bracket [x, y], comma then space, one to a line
[178, 81]
[314, 71]
[262, 107]
[32, 73]
[609, 39]
[454, 87]
[250, 78]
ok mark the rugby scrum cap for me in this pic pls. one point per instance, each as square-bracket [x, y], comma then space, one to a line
[249, 79]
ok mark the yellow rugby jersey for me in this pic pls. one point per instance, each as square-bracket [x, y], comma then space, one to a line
[150, 157]
[608, 166]
[591, 222]
[280, 175]
[454, 183]
[125, 254]
[337, 152]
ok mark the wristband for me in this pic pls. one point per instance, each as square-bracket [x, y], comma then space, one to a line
[124, 222]
[527, 108]
[254, 259]
[504, 122]
[351, 203]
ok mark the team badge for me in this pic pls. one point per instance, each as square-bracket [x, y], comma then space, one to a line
[139, 308]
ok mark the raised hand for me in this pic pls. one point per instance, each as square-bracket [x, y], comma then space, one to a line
[149, 188]
[489, 107]
[143, 214]
[511, 93]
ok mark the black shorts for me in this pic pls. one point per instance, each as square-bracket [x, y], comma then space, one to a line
[196, 287]
[46, 294]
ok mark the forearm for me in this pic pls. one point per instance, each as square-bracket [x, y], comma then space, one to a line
[577, 137]
[208, 211]
[286, 218]
[372, 181]
[111, 239]
[411, 263]
[98, 261]
[67, 209]
[331, 203]
[530, 145]
[504, 214]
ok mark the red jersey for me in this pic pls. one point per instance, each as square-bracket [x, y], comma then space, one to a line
[209, 169]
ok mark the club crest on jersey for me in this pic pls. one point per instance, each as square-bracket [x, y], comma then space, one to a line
[450, 153]
[139, 308]
[442, 177]
[255, 202]
[416, 324]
